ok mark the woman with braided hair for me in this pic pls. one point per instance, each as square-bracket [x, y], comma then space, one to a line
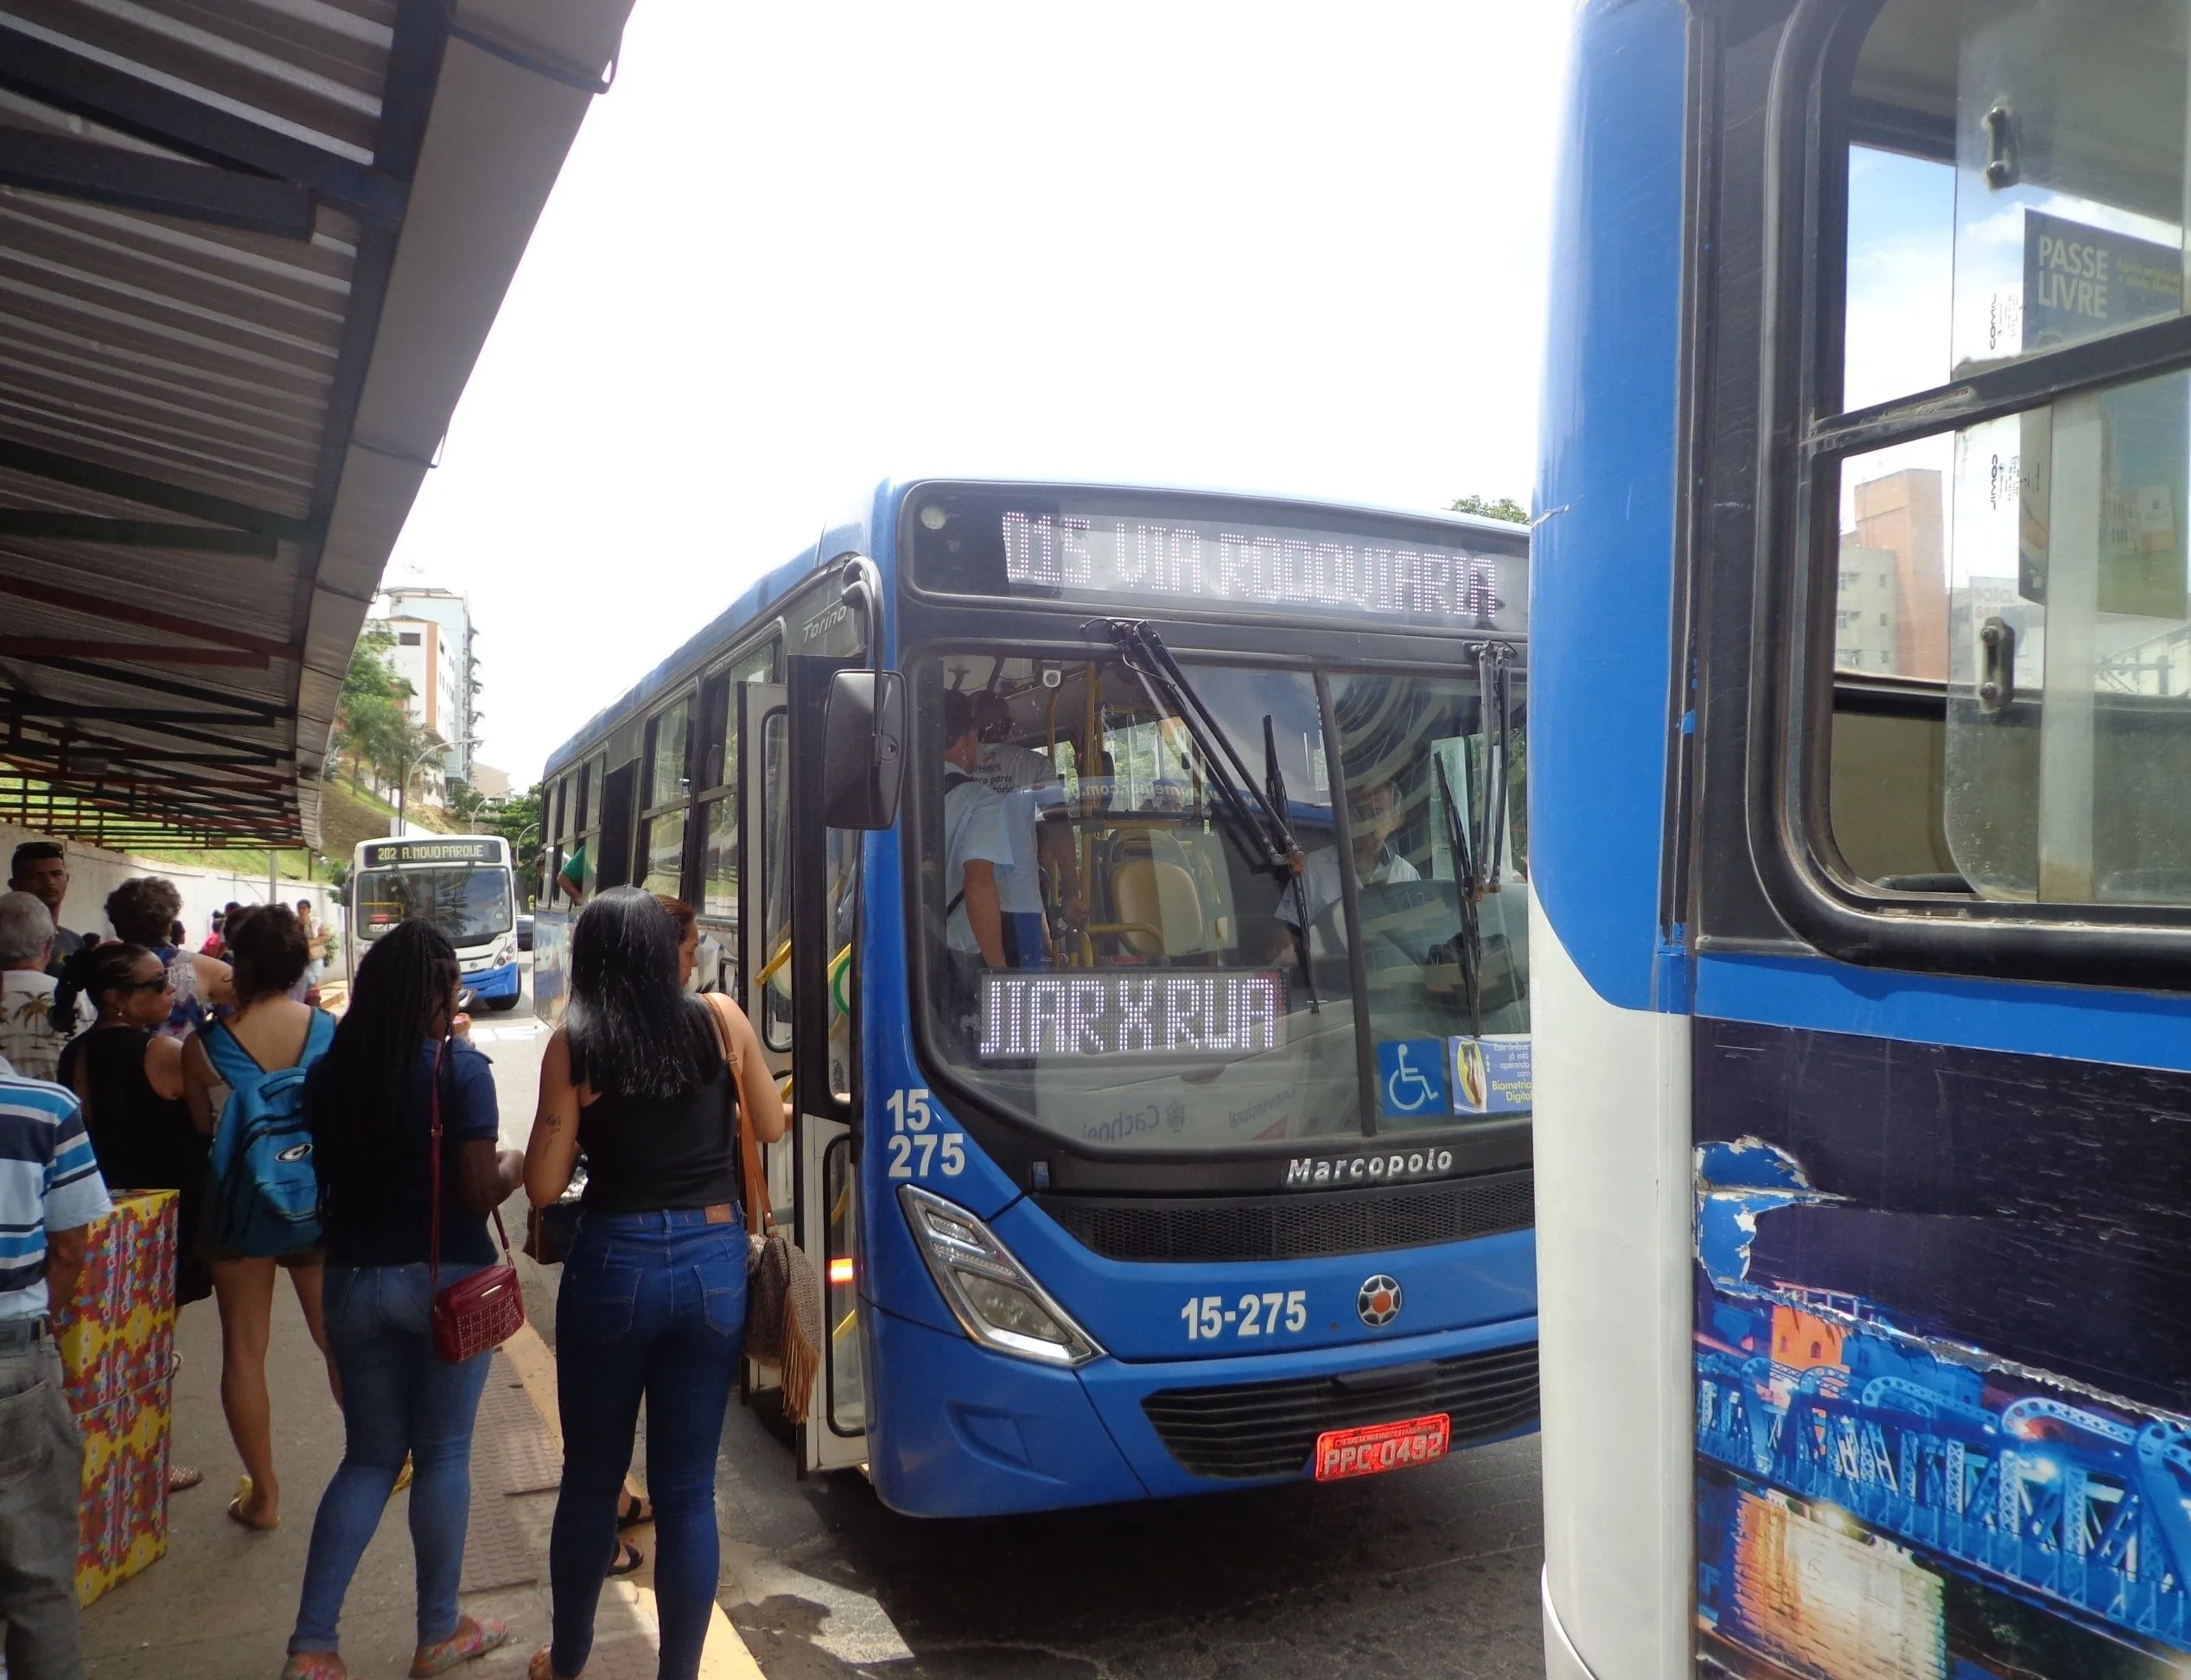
[372, 1102]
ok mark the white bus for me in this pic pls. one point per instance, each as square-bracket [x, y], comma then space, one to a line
[461, 882]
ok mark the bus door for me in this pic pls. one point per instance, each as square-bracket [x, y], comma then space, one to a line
[810, 1173]
[764, 930]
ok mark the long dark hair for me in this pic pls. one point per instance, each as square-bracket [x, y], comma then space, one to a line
[92, 972]
[631, 1028]
[406, 990]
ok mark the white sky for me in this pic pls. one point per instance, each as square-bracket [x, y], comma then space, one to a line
[800, 248]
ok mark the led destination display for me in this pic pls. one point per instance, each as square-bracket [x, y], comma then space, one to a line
[380, 854]
[1170, 1012]
[1091, 553]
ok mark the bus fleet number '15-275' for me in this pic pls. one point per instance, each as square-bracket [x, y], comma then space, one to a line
[914, 1150]
[1273, 1312]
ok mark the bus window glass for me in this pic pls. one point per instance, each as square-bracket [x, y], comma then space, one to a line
[663, 844]
[719, 871]
[846, 1385]
[2010, 611]
[468, 905]
[666, 741]
[2068, 754]
[775, 876]
[1436, 803]
[2069, 144]
[1107, 957]
[1901, 231]
[589, 801]
[1897, 313]
[711, 756]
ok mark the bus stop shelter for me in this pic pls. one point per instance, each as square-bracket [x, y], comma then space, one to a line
[249, 253]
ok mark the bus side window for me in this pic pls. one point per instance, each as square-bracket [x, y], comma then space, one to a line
[2011, 631]
[664, 796]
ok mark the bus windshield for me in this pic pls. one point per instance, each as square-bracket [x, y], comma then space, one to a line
[471, 904]
[1111, 954]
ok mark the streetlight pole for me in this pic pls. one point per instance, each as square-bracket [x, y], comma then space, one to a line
[403, 785]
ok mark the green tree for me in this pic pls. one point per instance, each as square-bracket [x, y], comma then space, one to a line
[372, 724]
[1505, 508]
[517, 820]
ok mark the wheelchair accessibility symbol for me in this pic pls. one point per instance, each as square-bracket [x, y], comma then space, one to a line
[1411, 1077]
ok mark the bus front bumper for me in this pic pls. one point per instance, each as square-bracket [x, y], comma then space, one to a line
[492, 982]
[967, 1432]
[1119, 1390]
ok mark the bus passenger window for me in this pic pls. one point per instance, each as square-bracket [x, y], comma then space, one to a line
[666, 787]
[2012, 638]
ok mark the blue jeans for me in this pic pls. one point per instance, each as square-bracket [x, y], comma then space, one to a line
[652, 1304]
[42, 1460]
[396, 1398]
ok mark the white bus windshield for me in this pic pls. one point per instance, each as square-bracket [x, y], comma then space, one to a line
[471, 904]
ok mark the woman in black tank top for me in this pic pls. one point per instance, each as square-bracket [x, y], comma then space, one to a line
[130, 1080]
[649, 1082]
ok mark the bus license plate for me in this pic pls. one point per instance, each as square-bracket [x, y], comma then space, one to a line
[1376, 1447]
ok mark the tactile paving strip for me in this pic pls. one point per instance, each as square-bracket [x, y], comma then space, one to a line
[527, 1460]
[511, 1454]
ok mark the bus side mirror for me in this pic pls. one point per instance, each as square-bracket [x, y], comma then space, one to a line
[863, 749]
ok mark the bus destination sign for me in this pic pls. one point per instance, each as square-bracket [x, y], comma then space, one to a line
[382, 854]
[1176, 1012]
[1084, 553]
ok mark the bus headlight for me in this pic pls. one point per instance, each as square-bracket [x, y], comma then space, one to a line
[990, 1294]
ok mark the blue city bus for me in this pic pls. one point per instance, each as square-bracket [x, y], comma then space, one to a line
[1219, 1171]
[1863, 651]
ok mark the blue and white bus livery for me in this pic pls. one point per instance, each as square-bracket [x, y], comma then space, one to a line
[1862, 800]
[463, 883]
[1217, 1169]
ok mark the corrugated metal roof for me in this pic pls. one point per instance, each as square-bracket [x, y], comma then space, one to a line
[248, 254]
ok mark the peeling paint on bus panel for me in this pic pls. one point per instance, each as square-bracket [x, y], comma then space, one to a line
[1941, 1347]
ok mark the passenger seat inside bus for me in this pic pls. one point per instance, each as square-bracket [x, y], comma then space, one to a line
[1157, 911]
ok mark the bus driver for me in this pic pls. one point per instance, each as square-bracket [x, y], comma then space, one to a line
[1373, 812]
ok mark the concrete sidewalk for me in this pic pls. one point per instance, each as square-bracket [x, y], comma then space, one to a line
[220, 1604]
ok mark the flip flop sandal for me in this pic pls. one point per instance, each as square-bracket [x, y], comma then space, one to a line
[627, 1559]
[236, 1511]
[473, 1639]
[314, 1665]
[638, 1513]
[538, 1668]
[403, 1477]
[180, 1477]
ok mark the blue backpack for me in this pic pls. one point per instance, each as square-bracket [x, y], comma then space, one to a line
[264, 1198]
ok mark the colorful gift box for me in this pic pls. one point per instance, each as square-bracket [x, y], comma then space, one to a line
[122, 1521]
[117, 1343]
[116, 1335]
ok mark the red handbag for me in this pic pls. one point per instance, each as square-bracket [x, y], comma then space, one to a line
[479, 1313]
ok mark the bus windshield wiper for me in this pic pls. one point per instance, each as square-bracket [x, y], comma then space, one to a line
[1494, 711]
[1466, 891]
[1270, 846]
[1274, 788]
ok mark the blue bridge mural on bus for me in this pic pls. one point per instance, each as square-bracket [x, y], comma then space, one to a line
[1873, 1501]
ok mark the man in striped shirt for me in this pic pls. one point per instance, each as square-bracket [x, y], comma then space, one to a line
[50, 1190]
